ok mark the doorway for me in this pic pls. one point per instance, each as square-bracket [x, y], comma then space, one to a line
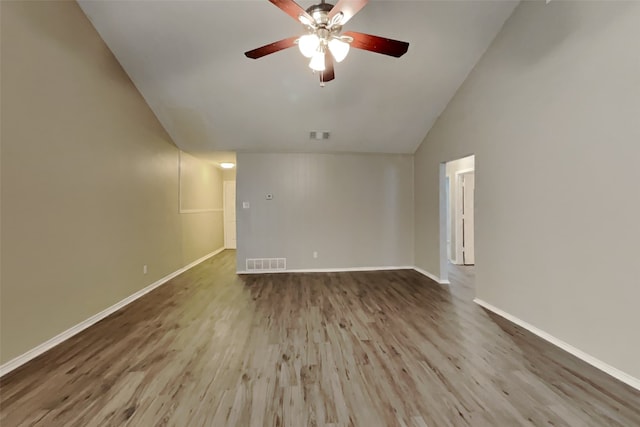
[460, 210]
[457, 225]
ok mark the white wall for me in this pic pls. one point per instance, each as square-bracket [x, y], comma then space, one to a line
[556, 234]
[355, 210]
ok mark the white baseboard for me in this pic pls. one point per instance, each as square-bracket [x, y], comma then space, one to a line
[338, 270]
[63, 336]
[431, 276]
[326, 270]
[608, 369]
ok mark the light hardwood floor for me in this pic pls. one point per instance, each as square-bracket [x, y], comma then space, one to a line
[388, 348]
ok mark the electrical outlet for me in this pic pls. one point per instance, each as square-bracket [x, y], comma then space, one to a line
[269, 196]
[144, 269]
[315, 254]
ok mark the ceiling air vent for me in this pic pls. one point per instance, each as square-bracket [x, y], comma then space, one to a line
[318, 135]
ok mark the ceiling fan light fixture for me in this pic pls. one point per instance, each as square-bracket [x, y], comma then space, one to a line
[317, 61]
[336, 20]
[323, 24]
[306, 21]
[339, 49]
[308, 44]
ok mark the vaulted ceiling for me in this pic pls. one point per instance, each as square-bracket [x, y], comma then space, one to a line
[186, 58]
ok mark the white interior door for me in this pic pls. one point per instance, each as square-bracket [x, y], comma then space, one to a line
[468, 243]
[447, 203]
[229, 194]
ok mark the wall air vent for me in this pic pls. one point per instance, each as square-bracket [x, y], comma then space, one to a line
[266, 264]
[319, 135]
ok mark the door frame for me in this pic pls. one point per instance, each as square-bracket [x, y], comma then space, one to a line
[447, 204]
[225, 214]
[458, 212]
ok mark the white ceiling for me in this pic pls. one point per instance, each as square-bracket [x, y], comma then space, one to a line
[187, 59]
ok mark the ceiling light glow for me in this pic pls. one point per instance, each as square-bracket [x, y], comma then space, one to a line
[339, 49]
[227, 165]
[308, 44]
[317, 61]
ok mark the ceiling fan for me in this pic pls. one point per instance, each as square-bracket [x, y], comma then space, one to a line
[324, 41]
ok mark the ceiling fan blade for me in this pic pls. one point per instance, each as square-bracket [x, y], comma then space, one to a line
[348, 8]
[271, 48]
[378, 44]
[328, 74]
[292, 9]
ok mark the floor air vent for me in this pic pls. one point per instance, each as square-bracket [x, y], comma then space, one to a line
[266, 264]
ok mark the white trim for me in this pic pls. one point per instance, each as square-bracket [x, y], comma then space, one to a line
[225, 214]
[447, 214]
[458, 203]
[431, 276]
[442, 223]
[338, 270]
[63, 336]
[596, 363]
[463, 171]
[225, 240]
[188, 211]
[326, 270]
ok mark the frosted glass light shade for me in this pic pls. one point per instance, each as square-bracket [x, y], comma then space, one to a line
[308, 44]
[339, 49]
[317, 61]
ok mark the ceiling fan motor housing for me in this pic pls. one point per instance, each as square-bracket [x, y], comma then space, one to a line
[320, 13]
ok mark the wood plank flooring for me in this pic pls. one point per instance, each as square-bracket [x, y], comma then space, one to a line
[388, 348]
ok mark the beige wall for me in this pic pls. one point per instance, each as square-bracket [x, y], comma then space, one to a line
[89, 179]
[200, 184]
[355, 210]
[229, 174]
[551, 113]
